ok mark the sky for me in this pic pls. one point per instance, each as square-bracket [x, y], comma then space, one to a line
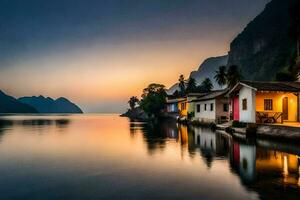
[98, 53]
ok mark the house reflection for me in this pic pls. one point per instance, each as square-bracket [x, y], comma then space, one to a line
[275, 162]
[183, 135]
[268, 172]
[260, 168]
[210, 144]
[243, 160]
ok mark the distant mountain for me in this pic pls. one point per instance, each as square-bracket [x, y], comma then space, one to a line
[48, 105]
[9, 104]
[264, 47]
[208, 68]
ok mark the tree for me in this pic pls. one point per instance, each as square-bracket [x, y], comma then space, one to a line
[206, 85]
[153, 99]
[221, 76]
[294, 28]
[191, 85]
[233, 76]
[182, 85]
[132, 102]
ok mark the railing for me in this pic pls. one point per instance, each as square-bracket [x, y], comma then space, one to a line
[269, 116]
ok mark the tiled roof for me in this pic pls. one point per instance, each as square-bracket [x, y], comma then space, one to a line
[212, 95]
[274, 86]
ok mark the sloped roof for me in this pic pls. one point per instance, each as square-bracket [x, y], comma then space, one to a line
[175, 100]
[212, 95]
[195, 94]
[274, 86]
[174, 88]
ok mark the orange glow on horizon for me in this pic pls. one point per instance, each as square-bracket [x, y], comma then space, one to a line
[95, 74]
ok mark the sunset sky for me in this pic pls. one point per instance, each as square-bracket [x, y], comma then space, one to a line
[98, 53]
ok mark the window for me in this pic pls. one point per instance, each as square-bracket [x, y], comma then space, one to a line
[198, 108]
[205, 107]
[244, 104]
[211, 107]
[183, 106]
[225, 107]
[268, 104]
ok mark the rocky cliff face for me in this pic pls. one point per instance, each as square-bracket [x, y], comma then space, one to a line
[208, 68]
[264, 47]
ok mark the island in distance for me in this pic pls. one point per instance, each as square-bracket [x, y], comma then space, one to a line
[36, 104]
[48, 105]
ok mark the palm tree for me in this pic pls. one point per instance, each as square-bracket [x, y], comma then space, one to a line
[133, 101]
[220, 76]
[191, 85]
[233, 76]
[206, 85]
[181, 85]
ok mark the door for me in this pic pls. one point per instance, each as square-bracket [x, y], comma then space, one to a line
[285, 108]
[236, 109]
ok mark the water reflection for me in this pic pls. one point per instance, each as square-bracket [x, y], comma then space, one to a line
[32, 123]
[108, 157]
[270, 168]
[4, 124]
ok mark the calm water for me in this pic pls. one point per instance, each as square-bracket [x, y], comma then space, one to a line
[108, 157]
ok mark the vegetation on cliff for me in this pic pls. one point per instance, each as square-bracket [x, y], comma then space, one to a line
[265, 47]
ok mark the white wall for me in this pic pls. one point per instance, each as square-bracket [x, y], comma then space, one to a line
[203, 115]
[247, 161]
[206, 138]
[249, 114]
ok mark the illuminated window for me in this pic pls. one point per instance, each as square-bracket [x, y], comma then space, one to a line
[268, 104]
[244, 104]
[183, 106]
[198, 108]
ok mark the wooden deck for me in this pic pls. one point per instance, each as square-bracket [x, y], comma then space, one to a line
[286, 123]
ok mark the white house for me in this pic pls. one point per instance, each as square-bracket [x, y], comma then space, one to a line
[262, 102]
[213, 107]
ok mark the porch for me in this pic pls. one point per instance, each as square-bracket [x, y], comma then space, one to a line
[277, 108]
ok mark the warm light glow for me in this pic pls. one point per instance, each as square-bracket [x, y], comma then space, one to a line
[299, 177]
[278, 103]
[285, 166]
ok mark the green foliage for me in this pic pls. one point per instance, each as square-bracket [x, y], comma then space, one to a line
[191, 115]
[265, 47]
[191, 86]
[221, 76]
[206, 85]
[182, 85]
[238, 124]
[233, 76]
[132, 102]
[153, 99]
